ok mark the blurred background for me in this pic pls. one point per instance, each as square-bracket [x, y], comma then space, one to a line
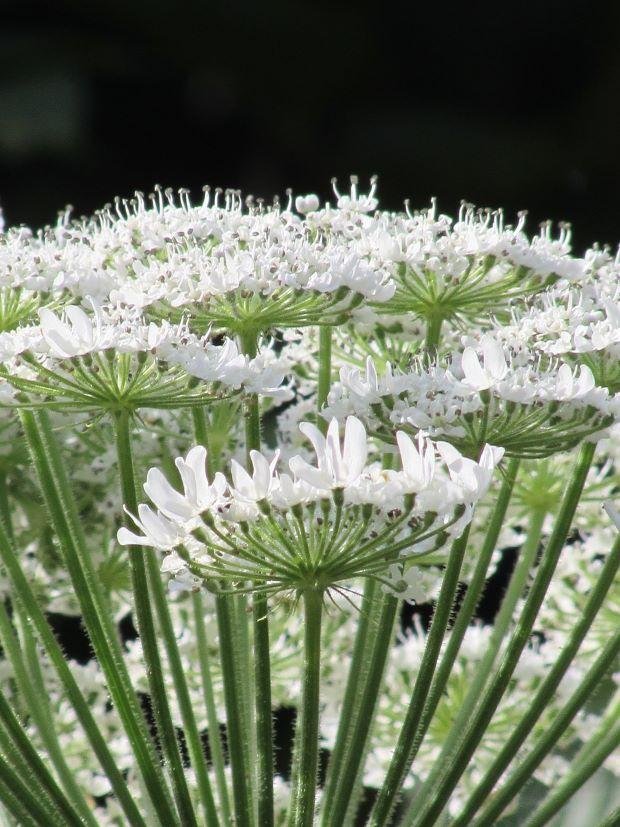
[503, 104]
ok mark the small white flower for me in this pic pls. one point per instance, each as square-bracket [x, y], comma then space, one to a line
[473, 478]
[158, 531]
[258, 486]
[337, 467]
[412, 586]
[307, 203]
[494, 368]
[73, 334]
[418, 463]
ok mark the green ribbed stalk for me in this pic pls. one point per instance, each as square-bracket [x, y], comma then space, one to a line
[160, 605]
[401, 763]
[234, 660]
[434, 323]
[213, 732]
[138, 558]
[23, 593]
[612, 820]
[525, 770]
[355, 752]
[325, 372]
[260, 616]
[29, 681]
[469, 604]
[356, 678]
[16, 746]
[306, 752]
[603, 743]
[23, 804]
[535, 709]
[235, 700]
[97, 620]
[484, 670]
[433, 797]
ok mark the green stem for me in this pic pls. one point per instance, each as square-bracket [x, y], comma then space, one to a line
[612, 820]
[434, 323]
[457, 762]
[17, 747]
[603, 743]
[469, 604]
[306, 753]
[27, 808]
[525, 770]
[357, 677]
[146, 563]
[29, 680]
[5, 509]
[535, 709]
[325, 372]
[235, 700]
[484, 669]
[25, 596]
[97, 620]
[260, 617]
[213, 732]
[365, 712]
[401, 763]
[234, 659]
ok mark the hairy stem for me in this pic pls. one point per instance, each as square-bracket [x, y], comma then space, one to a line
[437, 795]
[146, 568]
[102, 633]
[305, 761]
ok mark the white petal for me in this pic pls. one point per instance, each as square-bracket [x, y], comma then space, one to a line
[169, 501]
[242, 480]
[474, 375]
[355, 447]
[494, 358]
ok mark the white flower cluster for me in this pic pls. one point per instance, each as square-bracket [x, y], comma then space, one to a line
[514, 402]
[351, 379]
[208, 529]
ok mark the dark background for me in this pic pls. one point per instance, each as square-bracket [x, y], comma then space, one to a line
[504, 104]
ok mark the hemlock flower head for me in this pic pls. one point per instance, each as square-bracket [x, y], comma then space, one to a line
[325, 524]
[384, 408]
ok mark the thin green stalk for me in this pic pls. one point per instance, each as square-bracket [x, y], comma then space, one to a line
[356, 678]
[469, 604]
[234, 698]
[537, 706]
[306, 752]
[148, 562]
[5, 509]
[260, 617]
[437, 796]
[27, 674]
[234, 659]
[369, 691]
[20, 754]
[605, 741]
[434, 323]
[401, 763]
[23, 804]
[213, 733]
[484, 670]
[612, 820]
[525, 770]
[23, 593]
[325, 372]
[97, 619]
